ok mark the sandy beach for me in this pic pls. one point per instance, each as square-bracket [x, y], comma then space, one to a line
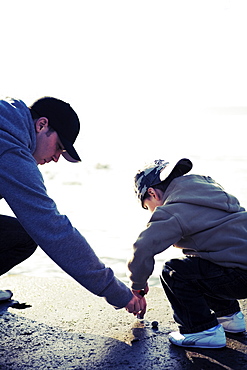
[67, 327]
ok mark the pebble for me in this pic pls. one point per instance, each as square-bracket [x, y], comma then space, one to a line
[155, 324]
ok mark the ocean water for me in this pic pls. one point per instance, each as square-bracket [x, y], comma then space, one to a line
[97, 195]
[111, 219]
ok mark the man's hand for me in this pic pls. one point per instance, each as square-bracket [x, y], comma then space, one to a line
[137, 306]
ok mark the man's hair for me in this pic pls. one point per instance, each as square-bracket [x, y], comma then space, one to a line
[34, 114]
[50, 130]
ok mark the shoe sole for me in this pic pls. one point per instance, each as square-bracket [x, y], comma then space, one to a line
[235, 331]
[198, 346]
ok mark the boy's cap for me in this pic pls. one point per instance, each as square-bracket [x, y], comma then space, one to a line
[63, 119]
[151, 174]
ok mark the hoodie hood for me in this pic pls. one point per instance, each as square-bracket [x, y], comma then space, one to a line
[16, 126]
[202, 191]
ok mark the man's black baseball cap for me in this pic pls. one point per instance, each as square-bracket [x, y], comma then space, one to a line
[63, 119]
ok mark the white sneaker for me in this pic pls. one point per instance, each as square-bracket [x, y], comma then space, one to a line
[211, 338]
[5, 295]
[233, 323]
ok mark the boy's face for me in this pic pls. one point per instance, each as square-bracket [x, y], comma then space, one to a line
[154, 200]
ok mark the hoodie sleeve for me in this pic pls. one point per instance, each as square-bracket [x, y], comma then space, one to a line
[22, 186]
[162, 231]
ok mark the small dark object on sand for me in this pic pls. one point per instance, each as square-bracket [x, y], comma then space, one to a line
[155, 324]
[20, 306]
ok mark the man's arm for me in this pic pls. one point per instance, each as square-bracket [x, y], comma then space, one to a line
[22, 186]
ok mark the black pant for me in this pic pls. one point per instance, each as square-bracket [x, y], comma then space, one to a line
[15, 244]
[200, 291]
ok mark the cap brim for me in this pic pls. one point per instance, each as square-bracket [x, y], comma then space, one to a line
[184, 165]
[69, 158]
[70, 154]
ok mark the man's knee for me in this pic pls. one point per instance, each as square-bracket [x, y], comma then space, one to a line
[31, 247]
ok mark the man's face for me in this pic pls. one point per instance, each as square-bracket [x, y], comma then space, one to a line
[48, 146]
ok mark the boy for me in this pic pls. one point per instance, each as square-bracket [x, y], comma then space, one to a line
[194, 213]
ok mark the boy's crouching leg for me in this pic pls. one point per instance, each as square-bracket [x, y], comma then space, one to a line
[191, 311]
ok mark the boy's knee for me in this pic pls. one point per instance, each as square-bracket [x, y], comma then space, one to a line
[176, 268]
[171, 265]
[167, 270]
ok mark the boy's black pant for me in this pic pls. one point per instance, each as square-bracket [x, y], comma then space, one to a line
[15, 244]
[200, 291]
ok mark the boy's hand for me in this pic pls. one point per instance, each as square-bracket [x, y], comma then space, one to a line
[140, 293]
[137, 306]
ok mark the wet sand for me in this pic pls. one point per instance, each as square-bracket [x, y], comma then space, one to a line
[67, 327]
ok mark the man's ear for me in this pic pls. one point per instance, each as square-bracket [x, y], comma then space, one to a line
[41, 123]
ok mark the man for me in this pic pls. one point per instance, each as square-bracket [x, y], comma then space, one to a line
[196, 214]
[29, 137]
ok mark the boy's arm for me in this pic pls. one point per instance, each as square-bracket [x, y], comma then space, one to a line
[162, 231]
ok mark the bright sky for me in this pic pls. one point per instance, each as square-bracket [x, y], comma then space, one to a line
[137, 72]
[143, 77]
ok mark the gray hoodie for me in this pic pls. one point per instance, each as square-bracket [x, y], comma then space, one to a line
[22, 186]
[200, 217]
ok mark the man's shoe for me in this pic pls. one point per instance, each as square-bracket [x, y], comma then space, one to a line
[233, 323]
[5, 295]
[211, 338]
